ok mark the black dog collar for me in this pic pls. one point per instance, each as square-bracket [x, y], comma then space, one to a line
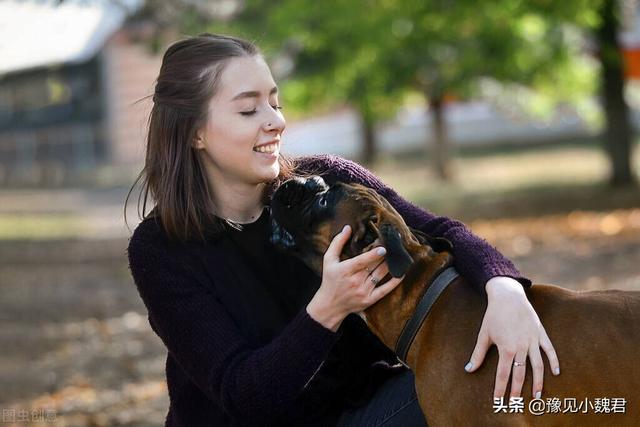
[422, 310]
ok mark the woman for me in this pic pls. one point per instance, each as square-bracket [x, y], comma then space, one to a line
[253, 337]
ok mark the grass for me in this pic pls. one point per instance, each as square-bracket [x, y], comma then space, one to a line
[488, 184]
[42, 226]
[525, 182]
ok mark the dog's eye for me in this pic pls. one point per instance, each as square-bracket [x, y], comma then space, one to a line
[323, 201]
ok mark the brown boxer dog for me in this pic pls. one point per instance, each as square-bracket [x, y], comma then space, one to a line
[596, 334]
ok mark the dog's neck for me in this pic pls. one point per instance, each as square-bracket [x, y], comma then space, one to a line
[387, 317]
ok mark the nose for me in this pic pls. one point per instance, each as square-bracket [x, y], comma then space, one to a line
[274, 121]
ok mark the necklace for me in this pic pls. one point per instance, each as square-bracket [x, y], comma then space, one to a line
[252, 219]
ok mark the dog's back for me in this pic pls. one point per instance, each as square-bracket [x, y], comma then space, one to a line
[596, 336]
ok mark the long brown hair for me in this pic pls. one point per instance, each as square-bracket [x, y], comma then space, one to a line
[173, 174]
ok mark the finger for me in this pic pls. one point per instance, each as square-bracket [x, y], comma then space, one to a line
[546, 345]
[479, 352]
[371, 282]
[367, 290]
[384, 289]
[502, 374]
[335, 247]
[519, 372]
[538, 370]
[376, 281]
[363, 260]
[379, 270]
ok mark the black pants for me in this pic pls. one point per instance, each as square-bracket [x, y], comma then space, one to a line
[394, 404]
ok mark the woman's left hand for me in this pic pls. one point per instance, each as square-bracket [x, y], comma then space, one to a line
[512, 324]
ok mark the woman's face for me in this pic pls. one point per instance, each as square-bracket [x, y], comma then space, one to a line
[240, 143]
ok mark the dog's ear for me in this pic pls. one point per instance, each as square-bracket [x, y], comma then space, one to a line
[438, 244]
[366, 235]
[380, 223]
[363, 236]
[397, 257]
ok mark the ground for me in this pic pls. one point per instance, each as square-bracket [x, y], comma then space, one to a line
[74, 333]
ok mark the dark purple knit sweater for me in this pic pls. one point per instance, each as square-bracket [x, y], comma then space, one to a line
[242, 349]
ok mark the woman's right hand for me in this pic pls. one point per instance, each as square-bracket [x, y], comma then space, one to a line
[347, 286]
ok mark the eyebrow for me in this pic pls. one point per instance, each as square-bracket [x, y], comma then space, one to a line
[253, 94]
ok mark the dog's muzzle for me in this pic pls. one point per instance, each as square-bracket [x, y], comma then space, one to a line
[288, 205]
[298, 191]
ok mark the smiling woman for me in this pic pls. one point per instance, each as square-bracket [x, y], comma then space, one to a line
[215, 123]
[239, 144]
[253, 336]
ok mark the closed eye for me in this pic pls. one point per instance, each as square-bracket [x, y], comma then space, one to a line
[252, 112]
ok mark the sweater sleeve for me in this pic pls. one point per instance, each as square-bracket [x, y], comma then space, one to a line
[474, 257]
[250, 384]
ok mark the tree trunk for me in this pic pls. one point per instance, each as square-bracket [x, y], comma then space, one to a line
[618, 134]
[440, 152]
[369, 152]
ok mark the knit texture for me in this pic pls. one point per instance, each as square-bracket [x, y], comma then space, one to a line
[225, 366]
[474, 257]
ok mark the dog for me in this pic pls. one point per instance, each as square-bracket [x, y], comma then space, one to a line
[596, 334]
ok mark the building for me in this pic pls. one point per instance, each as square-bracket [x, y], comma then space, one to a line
[73, 78]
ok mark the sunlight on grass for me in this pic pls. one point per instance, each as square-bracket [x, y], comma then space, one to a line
[492, 184]
[44, 226]
[500, 172]
[498, 184]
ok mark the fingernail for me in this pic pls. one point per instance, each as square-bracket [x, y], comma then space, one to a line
[538, 394]
[468, 367]
[556, 371]
[381, 251]
[345, 228]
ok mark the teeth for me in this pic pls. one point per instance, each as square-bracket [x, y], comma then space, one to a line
[267, 148]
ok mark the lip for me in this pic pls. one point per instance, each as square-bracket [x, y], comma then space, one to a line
[274, 141]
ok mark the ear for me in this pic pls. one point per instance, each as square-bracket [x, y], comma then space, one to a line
[362, 236]
[398, 258]
[198, 141]
[438, 244]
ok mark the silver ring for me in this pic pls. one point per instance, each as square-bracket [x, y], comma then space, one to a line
[518, 363]
[374, 280]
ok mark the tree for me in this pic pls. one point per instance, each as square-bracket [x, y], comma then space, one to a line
[338, 51]
[618, 131]
[453, 46]
[372, 53]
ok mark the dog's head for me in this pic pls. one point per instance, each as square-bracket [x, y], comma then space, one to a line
[306, 214]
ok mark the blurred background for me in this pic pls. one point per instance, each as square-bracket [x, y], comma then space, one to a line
[518, 117]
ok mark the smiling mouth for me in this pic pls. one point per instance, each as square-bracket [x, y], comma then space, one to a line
[269, 148]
